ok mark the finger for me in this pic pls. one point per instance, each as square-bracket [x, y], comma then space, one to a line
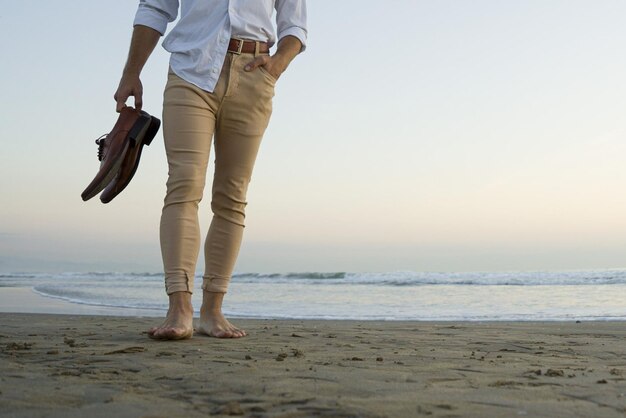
[138, 102]
[121, 103]
[257, 62]
[138, 94]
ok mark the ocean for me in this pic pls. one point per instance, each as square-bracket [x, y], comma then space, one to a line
[394, 296]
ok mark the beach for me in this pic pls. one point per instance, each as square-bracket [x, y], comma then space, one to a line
[59, 365]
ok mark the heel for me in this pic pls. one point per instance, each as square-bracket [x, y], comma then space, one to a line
[137, 129]
[155, 124]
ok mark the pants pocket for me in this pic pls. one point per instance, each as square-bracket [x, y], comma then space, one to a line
[268, 75]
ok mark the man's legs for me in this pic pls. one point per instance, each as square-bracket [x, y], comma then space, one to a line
[242, 102]
[243, 118]
[188, 125]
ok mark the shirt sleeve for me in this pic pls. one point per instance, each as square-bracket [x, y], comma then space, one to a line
[156, 14]
[291, 20]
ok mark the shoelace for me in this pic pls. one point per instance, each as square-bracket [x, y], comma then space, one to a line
[100, 143]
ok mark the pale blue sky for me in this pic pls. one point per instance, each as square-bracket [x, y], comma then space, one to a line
[411, 135]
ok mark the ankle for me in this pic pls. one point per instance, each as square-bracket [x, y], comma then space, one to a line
[180, 302]
[210, 313]
[211, 303]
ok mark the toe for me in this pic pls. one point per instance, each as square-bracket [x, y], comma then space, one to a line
[154, 333]
[153, 330]
[173, 334]
[237, 333]
[228, 334]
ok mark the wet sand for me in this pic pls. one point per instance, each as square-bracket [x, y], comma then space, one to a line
[103, 366]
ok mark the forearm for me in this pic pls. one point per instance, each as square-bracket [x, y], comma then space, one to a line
[288, 48]
[142, 44]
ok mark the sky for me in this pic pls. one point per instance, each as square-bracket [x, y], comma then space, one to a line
[410, 135]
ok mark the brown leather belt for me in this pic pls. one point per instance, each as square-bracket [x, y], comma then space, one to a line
[240, 46]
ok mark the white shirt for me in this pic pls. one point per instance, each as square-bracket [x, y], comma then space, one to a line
[199, 41]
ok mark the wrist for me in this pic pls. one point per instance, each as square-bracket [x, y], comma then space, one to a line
[281, 59]
[130, 73]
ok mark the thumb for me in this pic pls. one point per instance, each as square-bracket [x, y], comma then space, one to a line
[257, 62]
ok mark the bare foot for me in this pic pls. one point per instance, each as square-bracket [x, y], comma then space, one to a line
[212, 321]
[178, 324]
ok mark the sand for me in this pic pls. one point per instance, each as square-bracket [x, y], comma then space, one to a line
[105, 366]
[64, 363]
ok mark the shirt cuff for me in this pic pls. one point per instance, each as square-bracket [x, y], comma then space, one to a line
[296, 31]
[152, 18]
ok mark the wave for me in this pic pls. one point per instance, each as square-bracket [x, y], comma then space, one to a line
[397, 278]
[304, 276]
[81, 300]
[160, 308]
[17, 275]
[409, 278]
[477, 296]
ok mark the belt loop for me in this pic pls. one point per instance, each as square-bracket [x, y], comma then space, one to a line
[257, 46]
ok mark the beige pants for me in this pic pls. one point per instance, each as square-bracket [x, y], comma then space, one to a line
[235, 115]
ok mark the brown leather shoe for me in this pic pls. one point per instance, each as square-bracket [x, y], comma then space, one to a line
[112, 148]
[130, 161]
